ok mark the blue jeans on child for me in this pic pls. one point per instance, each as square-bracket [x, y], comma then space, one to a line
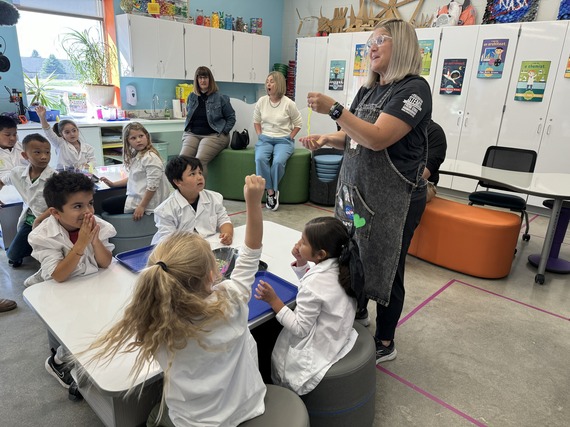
[20, 248]
[271, 155]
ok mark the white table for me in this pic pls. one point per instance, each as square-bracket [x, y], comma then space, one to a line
[9, 213]
[550, 185]
[75, 312]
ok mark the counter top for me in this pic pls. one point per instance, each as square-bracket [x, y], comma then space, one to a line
[104, 123]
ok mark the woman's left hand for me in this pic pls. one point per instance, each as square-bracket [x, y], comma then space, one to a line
[320, 103]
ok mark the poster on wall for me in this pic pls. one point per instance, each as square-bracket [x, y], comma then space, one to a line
[492, 60]
[360, 60]
[452, 76]
[532, 81]
[336, 75]
[502, 12]
[567, 73]
[426, 50]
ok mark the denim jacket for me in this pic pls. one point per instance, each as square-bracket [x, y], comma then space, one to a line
[220, 113]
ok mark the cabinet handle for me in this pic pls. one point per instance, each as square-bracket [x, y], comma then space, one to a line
[459, 121]
[548, 129]
[539, 129]
[465, 123]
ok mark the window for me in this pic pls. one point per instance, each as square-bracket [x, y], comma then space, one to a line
[39, 39]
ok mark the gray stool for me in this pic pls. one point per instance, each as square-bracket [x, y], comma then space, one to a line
[346, 396]
[130, 234]
[283, 408]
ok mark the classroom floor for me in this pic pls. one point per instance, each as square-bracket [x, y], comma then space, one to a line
[470, 351]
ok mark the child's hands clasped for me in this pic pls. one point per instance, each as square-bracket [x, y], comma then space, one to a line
[87, 233]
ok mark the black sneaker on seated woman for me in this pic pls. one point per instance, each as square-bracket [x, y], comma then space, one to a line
[385, 353]
[272, 201]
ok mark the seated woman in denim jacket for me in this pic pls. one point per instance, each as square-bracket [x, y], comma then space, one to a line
[209, 120]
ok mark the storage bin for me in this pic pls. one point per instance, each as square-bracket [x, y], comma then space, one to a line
[51, 116]
[162, 148]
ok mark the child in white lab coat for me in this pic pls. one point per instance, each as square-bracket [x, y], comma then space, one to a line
[147, 186]
[319, 331]
[64, 138]
[191, 207]
[71, 242]
[196, 327]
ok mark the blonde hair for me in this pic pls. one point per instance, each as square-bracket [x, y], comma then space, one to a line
[280, 85]
[406, 59]
[169, 306]
[129, 152]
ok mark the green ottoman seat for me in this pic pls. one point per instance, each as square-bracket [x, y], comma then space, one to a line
[227, 172]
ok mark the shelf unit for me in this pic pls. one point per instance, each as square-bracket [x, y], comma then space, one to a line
[112, 143]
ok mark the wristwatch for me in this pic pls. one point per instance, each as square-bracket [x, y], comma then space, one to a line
[336, 111]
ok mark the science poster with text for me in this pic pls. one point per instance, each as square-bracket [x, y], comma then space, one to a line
[360, 60]
[531, 83]
[426, 50]
[336, 75]
[452, 76]
[567, 73]
[492, 60]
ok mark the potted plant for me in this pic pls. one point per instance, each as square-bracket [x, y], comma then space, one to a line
[94, 61]
[40, 92]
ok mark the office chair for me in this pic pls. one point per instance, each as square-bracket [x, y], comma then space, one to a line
[506, 158]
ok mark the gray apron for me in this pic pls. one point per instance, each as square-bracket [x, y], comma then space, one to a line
[373, 199]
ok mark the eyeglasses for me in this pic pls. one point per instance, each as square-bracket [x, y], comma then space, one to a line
[203, 77]
[376, 41]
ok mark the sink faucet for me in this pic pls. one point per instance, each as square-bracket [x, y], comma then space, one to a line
[155, 101]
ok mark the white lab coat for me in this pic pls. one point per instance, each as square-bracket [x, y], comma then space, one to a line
[32, 192]
[219, 384]
[146, 173]
[318, 333]
[9, 159]
[66, 153]
[50, 244]
[176, 214]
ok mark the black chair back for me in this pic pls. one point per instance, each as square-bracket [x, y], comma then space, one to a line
[508, 158]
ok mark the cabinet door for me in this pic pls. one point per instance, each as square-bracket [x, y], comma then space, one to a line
[196, 48]
[243, 57]
[260, 58]
[221, 55]
[524, 122]
[554, 150]
[138, 46]
[338, 53]
[486, 98]
[92, 136]
[310, 69]
[171, 49]
[426, 38]
[448, 110]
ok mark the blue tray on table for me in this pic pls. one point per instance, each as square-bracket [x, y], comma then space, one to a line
[136, 259]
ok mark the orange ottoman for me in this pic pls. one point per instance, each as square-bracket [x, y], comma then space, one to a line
[472, 240]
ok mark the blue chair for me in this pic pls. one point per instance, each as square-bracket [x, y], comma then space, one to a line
[511, 159]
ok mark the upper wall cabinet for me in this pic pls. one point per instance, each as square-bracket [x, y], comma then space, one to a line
[210, 47]
[150, 47]
[251, 57]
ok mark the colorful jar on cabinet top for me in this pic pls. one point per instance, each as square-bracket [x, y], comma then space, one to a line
[199, 17]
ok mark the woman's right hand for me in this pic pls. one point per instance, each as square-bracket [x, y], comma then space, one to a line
[313, 142]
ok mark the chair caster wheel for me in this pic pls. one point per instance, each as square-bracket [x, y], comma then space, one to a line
[539, 278]
[526, 237]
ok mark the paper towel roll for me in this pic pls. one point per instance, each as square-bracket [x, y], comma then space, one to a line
[176, 110]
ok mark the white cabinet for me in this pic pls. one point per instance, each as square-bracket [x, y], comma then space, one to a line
[309, 73]
[210, 47]
[250, 58]
[150, 47]
[449, 110]
[485, 101]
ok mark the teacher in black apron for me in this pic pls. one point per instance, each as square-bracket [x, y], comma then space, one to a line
[381, 194]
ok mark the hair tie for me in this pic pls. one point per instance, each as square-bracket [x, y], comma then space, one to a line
[162, 265]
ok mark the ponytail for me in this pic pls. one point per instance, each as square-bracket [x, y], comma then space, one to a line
[351, 271]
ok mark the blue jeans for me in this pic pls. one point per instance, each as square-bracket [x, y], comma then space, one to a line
[20, 248]
[271, 155]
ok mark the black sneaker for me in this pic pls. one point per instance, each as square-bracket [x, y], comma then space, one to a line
[383, 353]
[15, 264]
[74, 394]
[276, 198]
[270, 201]
[362, 317]
[61, 372]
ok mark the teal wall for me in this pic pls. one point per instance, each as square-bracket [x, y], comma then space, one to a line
[269, 10]
[14, 77]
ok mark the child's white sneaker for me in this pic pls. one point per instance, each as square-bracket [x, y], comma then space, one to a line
[34, 278]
